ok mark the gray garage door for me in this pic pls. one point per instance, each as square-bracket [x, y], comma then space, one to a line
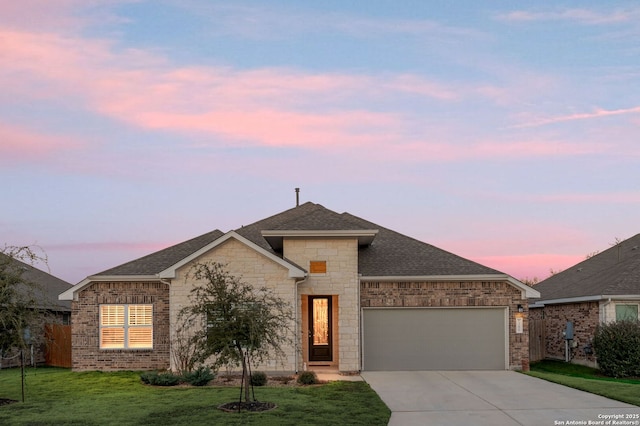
[407, 339]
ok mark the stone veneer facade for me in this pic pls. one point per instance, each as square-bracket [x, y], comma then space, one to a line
[85, 334]
[250, 267]
[456, 294]
[341, 282]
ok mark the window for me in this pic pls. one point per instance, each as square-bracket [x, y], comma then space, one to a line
[126, 326]
[318, 267]
[626, 312]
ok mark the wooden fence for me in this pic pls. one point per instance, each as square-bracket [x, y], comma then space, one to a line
[58, 345]
[537, 348]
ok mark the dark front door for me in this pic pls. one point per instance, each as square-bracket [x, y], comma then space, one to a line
[320, 347]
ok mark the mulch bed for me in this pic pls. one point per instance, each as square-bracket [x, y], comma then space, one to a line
[252, 406]
[255, 406]
[5, 401]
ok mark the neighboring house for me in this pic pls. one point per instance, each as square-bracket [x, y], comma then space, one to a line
[45, 289]
[365, 298]
[603, 288]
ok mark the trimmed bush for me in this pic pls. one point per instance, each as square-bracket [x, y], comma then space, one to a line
[200, 376]
[258, 379]
[308, 378]
[160, 379]
[617, 347]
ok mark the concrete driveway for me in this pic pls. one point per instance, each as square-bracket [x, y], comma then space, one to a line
[490, 398]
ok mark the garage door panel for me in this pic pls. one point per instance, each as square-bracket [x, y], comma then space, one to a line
[406, 339]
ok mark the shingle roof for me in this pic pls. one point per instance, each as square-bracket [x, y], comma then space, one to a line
[395, 254]
[615, 271]
[390, 254]
[157, 262]
[46, 286]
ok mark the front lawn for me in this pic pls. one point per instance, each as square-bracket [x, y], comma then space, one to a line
[59, 396]
[588, 379]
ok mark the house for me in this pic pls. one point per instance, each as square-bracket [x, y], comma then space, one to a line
[601, 289]
[45, 291]
[365, 298]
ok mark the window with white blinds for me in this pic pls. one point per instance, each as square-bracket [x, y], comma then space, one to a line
[126, 326]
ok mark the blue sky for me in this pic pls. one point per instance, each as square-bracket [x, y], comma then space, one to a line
[503, 132]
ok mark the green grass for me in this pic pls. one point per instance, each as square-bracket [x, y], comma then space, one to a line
[55, 396]
[588, 379]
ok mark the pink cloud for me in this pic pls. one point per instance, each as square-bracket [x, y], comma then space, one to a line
[536, 148]
[529, 265]
[605, 198]
[269, 107]
[598, 113]
[419, 86]
[18, 144]
[277, 127]
[433, 150]
[110, 246]
[584, 16]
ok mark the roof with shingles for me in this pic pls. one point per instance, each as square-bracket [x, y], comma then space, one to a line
[615, 271]
[390, 254]
[46, 287]
[157, 262]
[395, 254]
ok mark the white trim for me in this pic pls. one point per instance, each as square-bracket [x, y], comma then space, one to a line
[294, 271]
[621, 297]
[527, 292]
[321, 233]
[70, 294]
[275, 237]
[126, 326]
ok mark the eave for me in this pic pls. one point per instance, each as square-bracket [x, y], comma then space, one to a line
[527, 292]
[275, 238]
[70, 294]
[580, 299]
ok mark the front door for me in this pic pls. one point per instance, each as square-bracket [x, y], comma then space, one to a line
[320, 347]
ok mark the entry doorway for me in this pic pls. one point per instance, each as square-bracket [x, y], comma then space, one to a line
[320, 329]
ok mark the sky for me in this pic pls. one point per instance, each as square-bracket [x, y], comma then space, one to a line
[504, 132]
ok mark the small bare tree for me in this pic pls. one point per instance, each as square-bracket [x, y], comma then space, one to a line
[530, 281]
[241, 324]
[183, 347]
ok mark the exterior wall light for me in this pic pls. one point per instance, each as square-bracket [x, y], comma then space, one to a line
[520, 309]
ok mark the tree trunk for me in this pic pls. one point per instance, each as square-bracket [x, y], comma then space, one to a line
[245, 373]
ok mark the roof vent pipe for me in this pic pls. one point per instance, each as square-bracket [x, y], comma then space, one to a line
[297, 197]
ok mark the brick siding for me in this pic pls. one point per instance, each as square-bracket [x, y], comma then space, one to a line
[585, 318]
[455, 294]
[85, 336]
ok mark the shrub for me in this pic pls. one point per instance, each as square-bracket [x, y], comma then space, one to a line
[617, 346]
[258, 378]
[200, 376]
[160, 379]
[308, 378]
